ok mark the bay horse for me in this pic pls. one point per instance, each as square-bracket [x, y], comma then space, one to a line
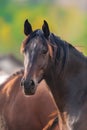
[64, 68]
[20, 112]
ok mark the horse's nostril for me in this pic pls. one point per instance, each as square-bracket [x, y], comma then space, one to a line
[28, 84]
[31, 83]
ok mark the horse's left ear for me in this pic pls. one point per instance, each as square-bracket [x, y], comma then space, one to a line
[45, 29]
[27, 27]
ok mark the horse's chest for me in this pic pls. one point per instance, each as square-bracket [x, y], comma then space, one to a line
[71, 123]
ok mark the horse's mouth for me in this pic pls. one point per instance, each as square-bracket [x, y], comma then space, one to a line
[30, 91]
[30, 86]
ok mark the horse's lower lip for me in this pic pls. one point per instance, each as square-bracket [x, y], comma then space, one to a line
[29, 92]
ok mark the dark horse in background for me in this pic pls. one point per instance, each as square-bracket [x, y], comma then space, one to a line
[18, 112]
[64, 68]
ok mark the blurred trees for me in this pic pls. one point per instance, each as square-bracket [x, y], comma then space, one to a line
[69, 23]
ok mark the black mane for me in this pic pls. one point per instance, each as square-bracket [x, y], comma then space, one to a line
[66, 47]
[61, 45]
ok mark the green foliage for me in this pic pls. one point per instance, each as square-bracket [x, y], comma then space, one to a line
[70, 24]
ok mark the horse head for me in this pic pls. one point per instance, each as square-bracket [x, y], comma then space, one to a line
[37, 55]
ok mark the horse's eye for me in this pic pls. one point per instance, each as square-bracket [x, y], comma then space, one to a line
[44, 50]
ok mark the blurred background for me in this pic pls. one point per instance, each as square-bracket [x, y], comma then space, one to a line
[66, 18]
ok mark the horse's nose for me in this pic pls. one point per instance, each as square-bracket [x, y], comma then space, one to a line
[29, 86]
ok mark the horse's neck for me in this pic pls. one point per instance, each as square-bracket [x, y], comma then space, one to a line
[75, 78]
[70, 91]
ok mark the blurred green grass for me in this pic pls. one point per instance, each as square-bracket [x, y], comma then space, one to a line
[68, 23]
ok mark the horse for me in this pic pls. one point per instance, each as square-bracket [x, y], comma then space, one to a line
[21, 112]
[63, 67]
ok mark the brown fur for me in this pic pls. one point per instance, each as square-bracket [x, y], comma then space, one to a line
[18, 112]
[50, 50]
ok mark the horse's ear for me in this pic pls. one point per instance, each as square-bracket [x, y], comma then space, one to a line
[45, 29]
[27, 27]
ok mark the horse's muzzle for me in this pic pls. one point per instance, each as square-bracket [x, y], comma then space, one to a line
[29, 86]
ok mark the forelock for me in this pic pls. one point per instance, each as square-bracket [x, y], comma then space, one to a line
[36, 33]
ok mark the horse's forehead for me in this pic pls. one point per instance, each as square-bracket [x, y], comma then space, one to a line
[39, 32]
[34, 39]
[37, 39]
[34, 44]
[36, 33]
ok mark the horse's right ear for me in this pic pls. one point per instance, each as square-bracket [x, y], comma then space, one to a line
[45, 29]
[27, 27]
